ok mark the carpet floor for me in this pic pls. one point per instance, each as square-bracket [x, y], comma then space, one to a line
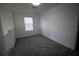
[39, 45]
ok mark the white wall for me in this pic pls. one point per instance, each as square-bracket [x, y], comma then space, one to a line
[20, 27]
[2, 44]
[8, 29]
[60, 24]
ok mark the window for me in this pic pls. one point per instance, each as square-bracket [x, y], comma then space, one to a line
[28, 21]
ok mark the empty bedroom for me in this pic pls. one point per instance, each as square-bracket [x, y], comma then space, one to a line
[42, 29]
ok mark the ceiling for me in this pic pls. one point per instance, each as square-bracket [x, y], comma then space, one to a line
[27, 7]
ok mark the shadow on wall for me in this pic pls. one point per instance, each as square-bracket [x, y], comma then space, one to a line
[77, 43]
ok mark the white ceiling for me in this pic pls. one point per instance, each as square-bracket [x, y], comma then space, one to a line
[27, 7]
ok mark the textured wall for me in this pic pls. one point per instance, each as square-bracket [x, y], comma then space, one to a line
[8, 29]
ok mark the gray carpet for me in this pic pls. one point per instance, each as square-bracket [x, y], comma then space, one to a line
[39, 45]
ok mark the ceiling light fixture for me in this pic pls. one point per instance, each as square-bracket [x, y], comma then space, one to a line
[36, 3]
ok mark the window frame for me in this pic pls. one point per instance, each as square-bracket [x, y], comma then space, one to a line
[28, 26]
